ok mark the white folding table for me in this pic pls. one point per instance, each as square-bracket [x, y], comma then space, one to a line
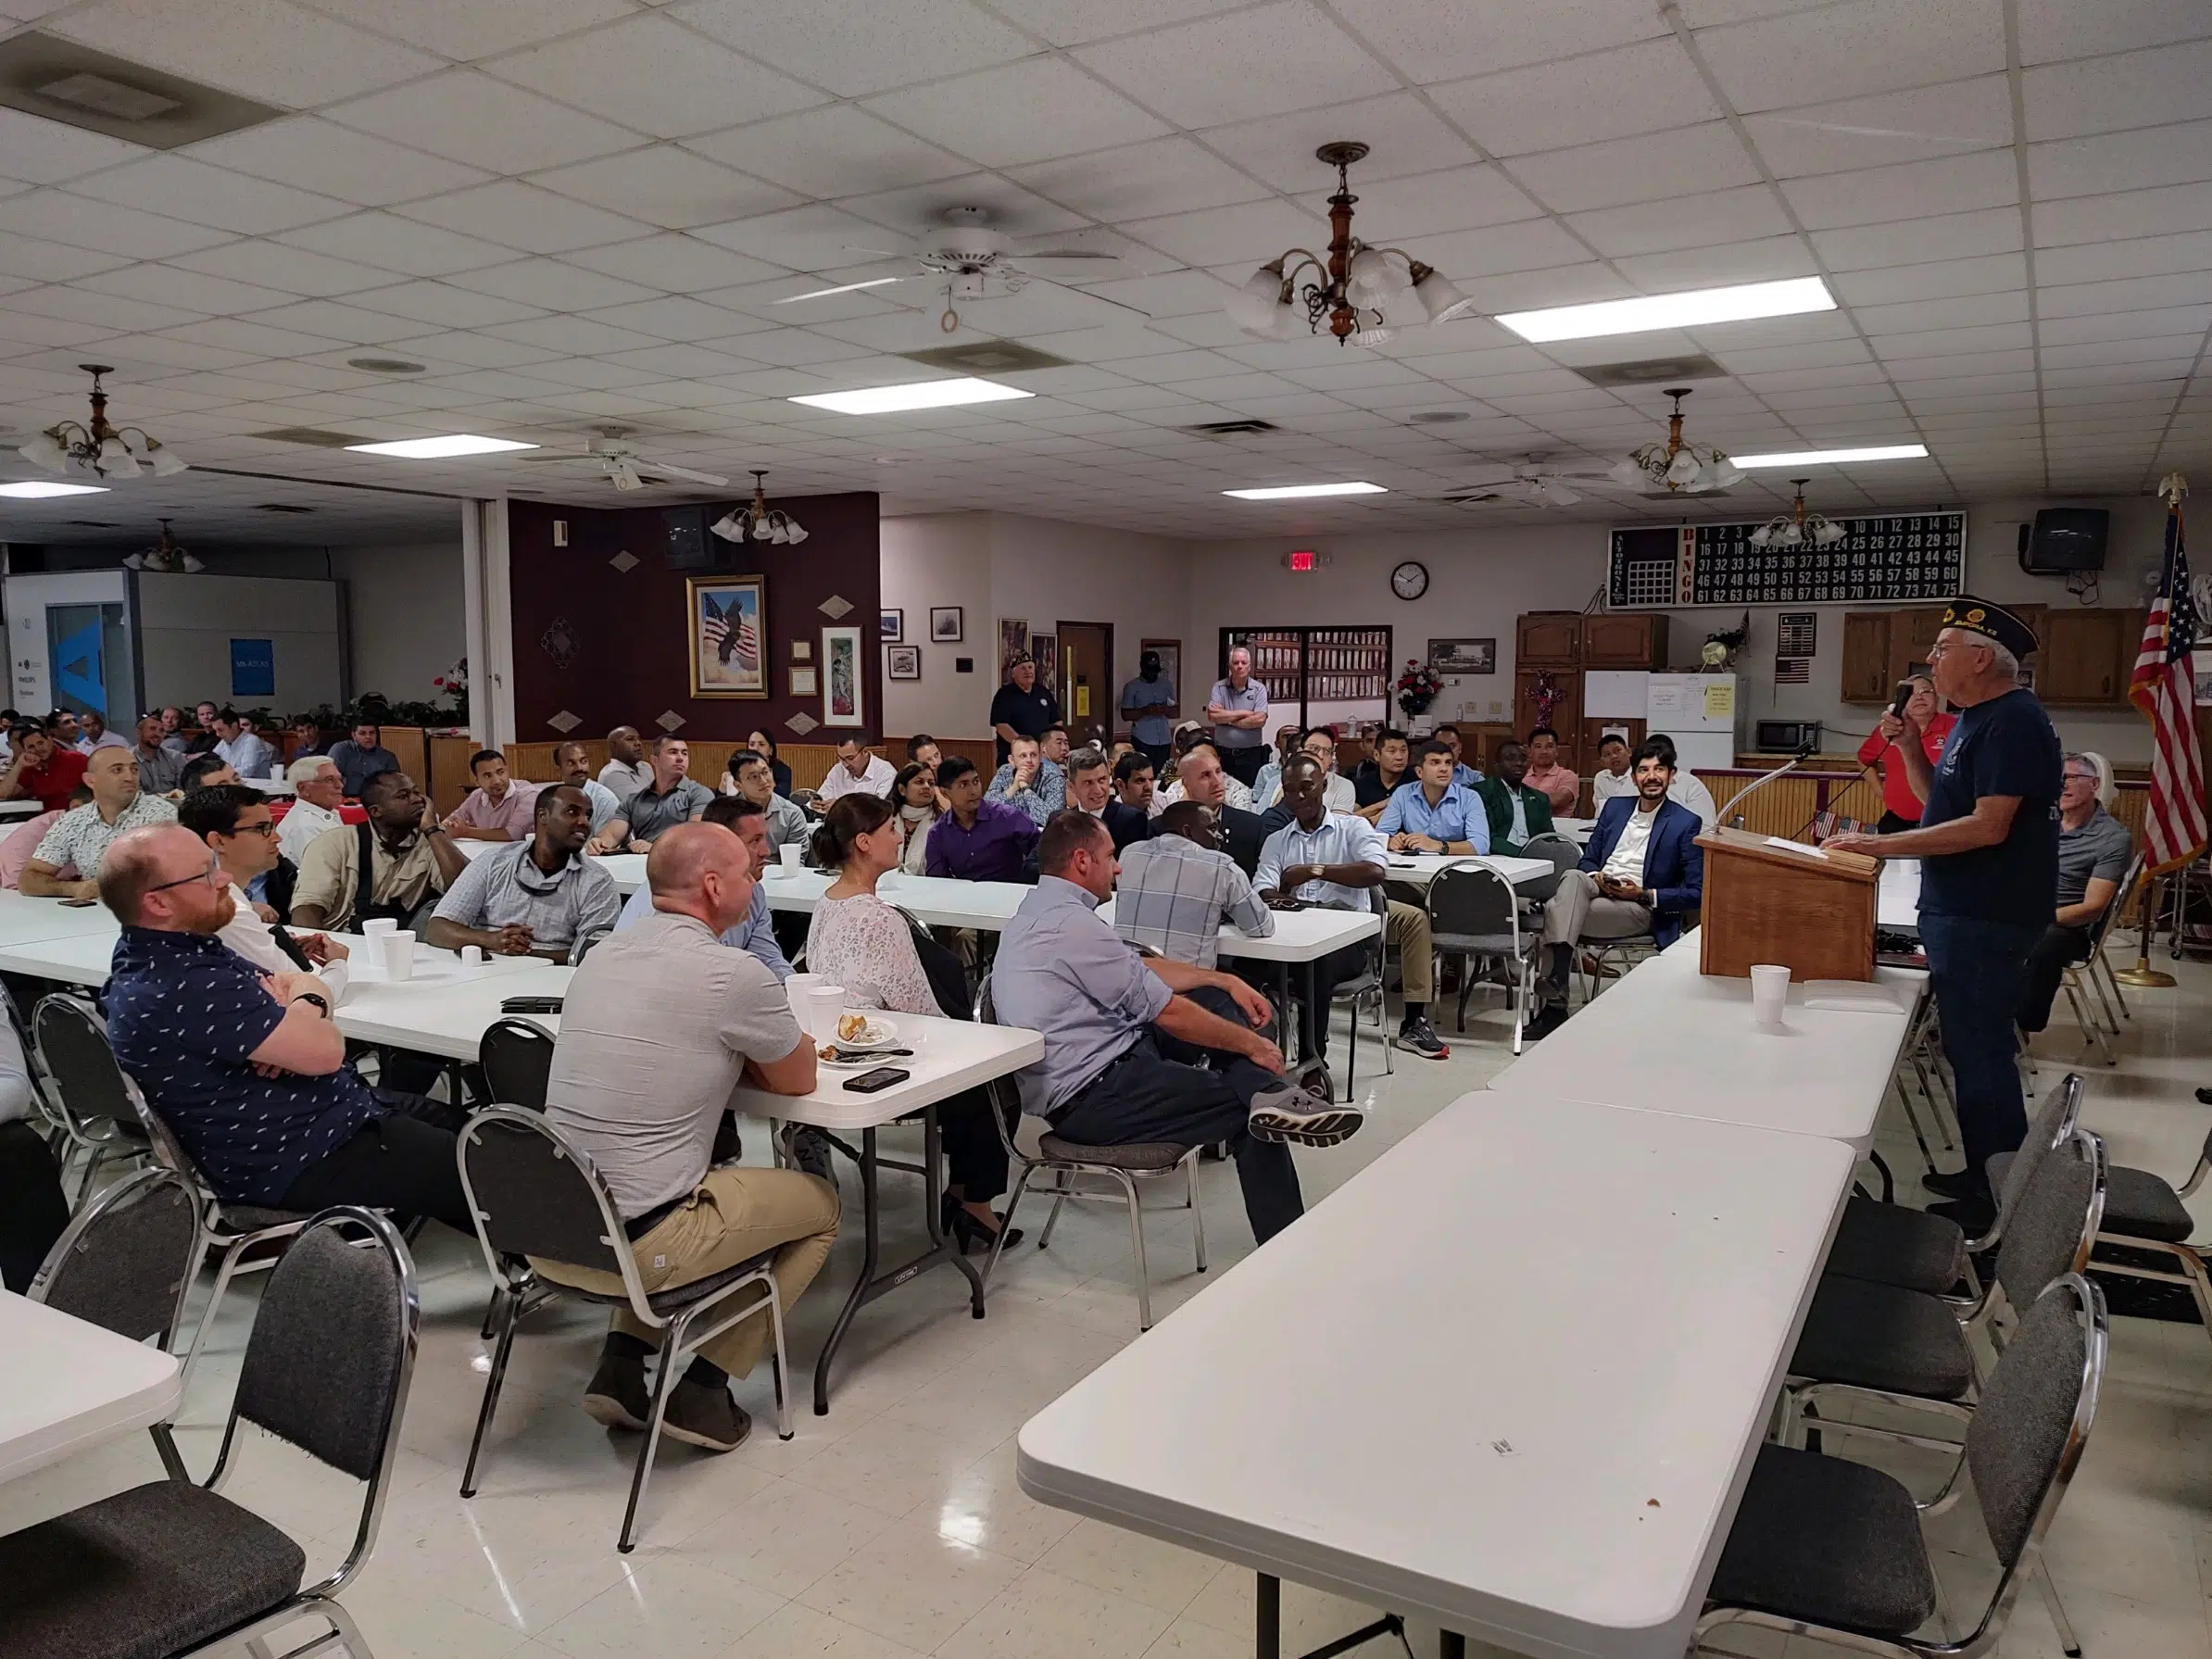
[1530, 1420]
[24, 920]
[67, 1384]
[21, 809]
[932, 900]
[1419, 869]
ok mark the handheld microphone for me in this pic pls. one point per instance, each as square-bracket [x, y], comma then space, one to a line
[1905, 696]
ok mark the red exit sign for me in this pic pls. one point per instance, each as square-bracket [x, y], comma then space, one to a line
[1304, 559]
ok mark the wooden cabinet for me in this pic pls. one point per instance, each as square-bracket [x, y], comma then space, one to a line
[1911, 634]
[1548, 639]
[1865, 657]
[2087, 655]
[1624, 639]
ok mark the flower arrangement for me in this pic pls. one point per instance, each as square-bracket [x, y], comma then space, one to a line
[1417, 687]
[455, 679]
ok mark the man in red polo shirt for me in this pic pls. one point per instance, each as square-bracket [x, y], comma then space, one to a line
[42, 770]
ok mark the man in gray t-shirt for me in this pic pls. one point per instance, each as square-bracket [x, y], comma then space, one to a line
[2094, 850]
[672, 797]
[661, 1025]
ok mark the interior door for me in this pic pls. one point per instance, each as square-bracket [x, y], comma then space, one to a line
[1087, 688]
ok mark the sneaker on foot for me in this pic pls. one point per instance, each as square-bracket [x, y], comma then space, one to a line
[617, 1395]
[1419, 1037]
[808, 1149]
[1289, 1112]
[705, 1417]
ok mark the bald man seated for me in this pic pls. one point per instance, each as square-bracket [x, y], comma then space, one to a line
[661, 1023]
[246, 1066]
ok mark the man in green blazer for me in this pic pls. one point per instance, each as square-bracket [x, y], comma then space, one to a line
[1516, 810]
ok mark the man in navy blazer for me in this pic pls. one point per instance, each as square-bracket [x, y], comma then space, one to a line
[1641, 870]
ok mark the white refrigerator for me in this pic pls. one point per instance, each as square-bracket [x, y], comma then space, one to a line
[1699, 712]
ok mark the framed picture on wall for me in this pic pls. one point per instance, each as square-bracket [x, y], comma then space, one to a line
[946, 625]
[1013, 639]
[841, 693]
[1045, 648]
[893, 625]
[1464, 656]
[728, 631]
[902, 662]
[802, 682]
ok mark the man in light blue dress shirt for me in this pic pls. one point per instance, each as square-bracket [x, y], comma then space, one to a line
[1432, 813]
[248, 755]
[756, 934]
[1463, 775]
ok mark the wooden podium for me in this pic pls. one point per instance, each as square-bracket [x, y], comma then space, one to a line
[1812, 911]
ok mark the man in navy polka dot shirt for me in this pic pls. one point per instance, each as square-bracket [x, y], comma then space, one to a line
[246, 1067]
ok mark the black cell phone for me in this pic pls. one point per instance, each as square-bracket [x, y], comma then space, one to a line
[869, 1083]
[530, 1005]
[78, 904]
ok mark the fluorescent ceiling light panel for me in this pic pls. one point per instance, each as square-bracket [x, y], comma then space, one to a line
[38, 490]
[1690, 309]
[842, 288]
[1835, 457]
[1290, 492]
[453, 444]
[920, 394]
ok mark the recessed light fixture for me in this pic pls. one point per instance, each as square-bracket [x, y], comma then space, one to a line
[1832, 457]
[1690, 309]
[459, 442]
[1288, 492]
[919, 395]
[39, 490]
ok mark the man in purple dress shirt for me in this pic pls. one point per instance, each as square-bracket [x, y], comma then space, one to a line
[978, 839]
[499, 809]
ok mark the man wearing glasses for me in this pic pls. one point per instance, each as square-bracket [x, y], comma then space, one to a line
[246, 1066]
[236, 822]
[2094, 850]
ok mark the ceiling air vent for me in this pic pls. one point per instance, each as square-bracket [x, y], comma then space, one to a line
[314, 437]
[986, 357]
[44, 75]
[280, 507]
[1247, 428]
[92, 524]
[1651, 373]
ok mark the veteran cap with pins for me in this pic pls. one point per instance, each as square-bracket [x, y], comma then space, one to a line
[1992, 621]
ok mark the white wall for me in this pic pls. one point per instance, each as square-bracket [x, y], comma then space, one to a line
[406, 622]
[31, 684]
[938, 559]
[186, 624]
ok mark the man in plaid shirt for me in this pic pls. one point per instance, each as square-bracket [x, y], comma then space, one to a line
[1176, 889]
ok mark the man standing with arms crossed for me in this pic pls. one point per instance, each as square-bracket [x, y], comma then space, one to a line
[1238, 706]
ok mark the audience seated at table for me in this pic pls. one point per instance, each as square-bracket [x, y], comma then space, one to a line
[246, 1066]
[360, 756]
[1688, 789]
[669, 797]
[238, 743]
[1614, 775]
[21, 839]
[158, 765]
[1321, 744]
[1641, 870]
[763, 744]
[1465, 776]
[306, 737]
[172, 730]
[1562, 786]
[1901, 807]
[1335, 861]
[81, 835]
[2094, 850]
[204, 772]
[68, 733]
[914, 803]
[1129, 814]
[756, 934]
[499, 809]
[754, 780]
[537, 896]
[98, 736]
[42, 769]
[1242, 832]
[858, 769]
[661, 1025]
[1377, 777]
[1268, 785]
[626, 771]
[202, 737]
[609, 827]
[858, 941]
[1090, 782]
[408, 863]
[1177, 889]
[1231, 793]
[1433, 813]
[1124, 1035]
[234, 822]
[976, 839]
[1516, 810]
[1028, 783]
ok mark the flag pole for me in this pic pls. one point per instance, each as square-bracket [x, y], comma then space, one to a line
[2172, 489]
[2142, 973]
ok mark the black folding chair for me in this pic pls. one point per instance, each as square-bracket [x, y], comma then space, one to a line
[516, 1057]
[85, 1102]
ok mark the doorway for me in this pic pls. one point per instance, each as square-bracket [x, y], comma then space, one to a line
[1087, 682]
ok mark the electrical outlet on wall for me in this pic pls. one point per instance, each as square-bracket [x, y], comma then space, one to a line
[1497, 707]
[560, 533]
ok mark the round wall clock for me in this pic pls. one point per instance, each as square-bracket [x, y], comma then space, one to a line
[1410, 580]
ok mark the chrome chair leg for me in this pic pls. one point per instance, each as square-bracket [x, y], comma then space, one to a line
[2066, 1639]
[663, 1381]
[1144, 1283]
[1198, 1216]
[511, 1306]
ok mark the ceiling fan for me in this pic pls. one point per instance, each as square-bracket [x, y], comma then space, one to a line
[1529, 484]
[973, 261]
[621, 463]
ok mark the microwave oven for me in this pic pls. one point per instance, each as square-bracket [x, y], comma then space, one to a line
[1786, 737]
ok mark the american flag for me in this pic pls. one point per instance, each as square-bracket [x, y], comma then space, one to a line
[2162, 686]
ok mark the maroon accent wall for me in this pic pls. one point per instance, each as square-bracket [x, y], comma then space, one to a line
[629, 661]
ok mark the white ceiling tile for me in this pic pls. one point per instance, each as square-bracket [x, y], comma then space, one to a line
[167, 284]
[1021, 213]
[1708, 157]
[1910, 241]
[574, 335]
[1533, 245]
[1261, 62]
[37, 261]
[841, 44]
[1853, 48]
[1545, 286]
[441, 305]
[1472, 37]
[478, 27]
[795, 347]
[82, 222]
[1907, 190]
[2158, 348]
[1405, 135]
[670, 317]
[550, 286]
[1940, 279]
[650, 74]
[2126, 325]
[1166, 175]
[1581, 100]
[1249, 234]
[400, 244]
[2177, 208]
[811, 238]
[1925, 123]
[1690, 221]
[676, 263]
[111, 311]
[295, 270]
[2142, 255]
[1028, 111]
[1968, 311]
[523, 215]
[1429, 204]
[2114, 161]
[2130, 89]
[2134, 293]
[336, 321]
[667, 187]
[1071, 22]
[43, 151]
[315, 155]
[1769, 260]
[468, 117]
[2054, 30]
[184, 188]
[478, 351]
[837, 150]
[264, 48]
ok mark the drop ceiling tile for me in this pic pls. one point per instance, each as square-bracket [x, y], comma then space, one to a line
[1975, 310]
[2125, 325]
[2136, 294]
[1472, 37]
[1404, 134]
[1753, 360]
[1073, 22]
[1576, 285]
[37, 261]
[651, 75]
[2138, 213]
[2141, 255]
[1907, 190]
[550, 286]
[478, 27]
[678, 362]
[1022, 213]
[1768, 259]
[471, 350]
[1463, 199]
[1533, 245]
[43, 152]
[1853, 48]
[26, 329]
[522, 216]
[2054, 30]
[817, 237]
[574, 335]
[672, 318]
[1581, 100]
[2177, 153]
[188, 189]
[468, 117]
[168, 285]
[1690, 221]
[404, 246]
[676, 263]
[335, 320]
[669, 188]
[295, 270]
[2129, 89]
[264, 48]
[1248, 234]
[2159, 348]
[796, 347]
[1940, 279]
[315, 155]
[1028, 111]
[73, 304]
[1620, 172]
[1259, 62]
[82, 222]
[839, 45]
[1925, 123]
[1166, 175]
[443, 306]
[1910, 241]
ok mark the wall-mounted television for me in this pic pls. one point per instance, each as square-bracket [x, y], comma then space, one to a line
[2062, 540]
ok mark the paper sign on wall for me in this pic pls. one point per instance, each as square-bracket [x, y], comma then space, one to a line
[1082, 702]
[1720, 700]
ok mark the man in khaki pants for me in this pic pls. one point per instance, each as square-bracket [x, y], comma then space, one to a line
[661, 1023]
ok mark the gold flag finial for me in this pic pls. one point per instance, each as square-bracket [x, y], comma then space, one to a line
[2172, 487]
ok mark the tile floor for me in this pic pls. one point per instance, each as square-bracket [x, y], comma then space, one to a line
[893, 1527]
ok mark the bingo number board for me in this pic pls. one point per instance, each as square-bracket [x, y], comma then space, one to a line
[1897, 557]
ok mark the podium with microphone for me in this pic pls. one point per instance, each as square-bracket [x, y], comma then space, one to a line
[1771, 900]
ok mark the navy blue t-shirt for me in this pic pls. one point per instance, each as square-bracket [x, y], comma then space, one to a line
[2004, 747]
[184, 1011]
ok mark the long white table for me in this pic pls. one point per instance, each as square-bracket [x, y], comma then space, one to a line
[933, 900]
[1531, 1424]
[25, 920]
[1419, 869]
[67, 1384]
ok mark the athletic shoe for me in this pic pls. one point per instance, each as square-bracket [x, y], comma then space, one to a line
[1289, 1112]
[808, 1149]
[704, 1415]
[617, 1395]
[1419, 1037]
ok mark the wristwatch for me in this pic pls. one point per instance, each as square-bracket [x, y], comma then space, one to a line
[320, 1001]
[433, 829]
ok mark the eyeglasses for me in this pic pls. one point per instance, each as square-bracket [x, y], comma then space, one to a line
[2083, 778]
[267, 830]
[212, 875]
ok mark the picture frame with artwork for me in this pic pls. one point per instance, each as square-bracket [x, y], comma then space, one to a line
[1045, 648]
[948, 624]
[892, 625]
[1013, 639]
[727, 630]
[843, 696]
[802, 682]
[1464, 656]
[902, 662]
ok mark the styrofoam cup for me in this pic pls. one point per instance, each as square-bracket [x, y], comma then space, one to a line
[790, 854]
[471, 955]
[399, 950]
[1771, 995]
[818, 1016]
[380, 924]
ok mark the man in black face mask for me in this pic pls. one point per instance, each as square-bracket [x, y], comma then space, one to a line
[1148, 703]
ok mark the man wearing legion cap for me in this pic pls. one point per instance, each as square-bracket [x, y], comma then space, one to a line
[1989, 838]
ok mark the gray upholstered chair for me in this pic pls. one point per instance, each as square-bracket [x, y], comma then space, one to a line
[586, 943]
[1474, 912]
[1067, 1161]
[170, 1568]
[1565, 856]
[2143, 1212]
[2097, 1012]
[1833, 1550]
[534, 1194]
[85, 1103]
[1369, 987]
[516, 1057]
